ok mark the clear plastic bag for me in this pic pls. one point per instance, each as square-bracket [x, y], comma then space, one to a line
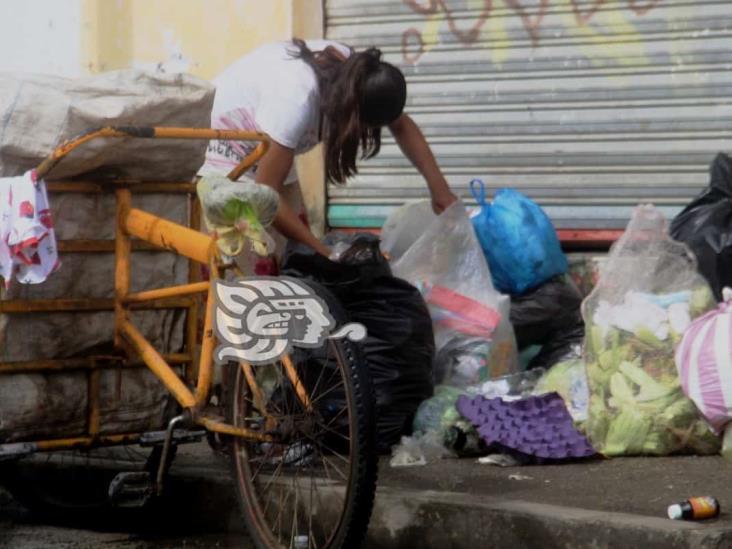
[238, 211]
[448, 266]
[568, 378]
[648, 292]
[438, 412]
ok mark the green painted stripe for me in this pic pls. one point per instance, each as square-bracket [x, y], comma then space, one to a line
[564, 217]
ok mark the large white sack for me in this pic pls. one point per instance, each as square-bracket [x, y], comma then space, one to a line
[38, 112]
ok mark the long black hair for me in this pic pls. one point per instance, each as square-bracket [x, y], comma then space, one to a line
[358, 96]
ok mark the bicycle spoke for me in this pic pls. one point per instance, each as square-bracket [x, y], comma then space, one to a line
[329, 391]
[335, 417]
[286, 495]
[265, 460]
[333, 432]
[310, 517]
[298, 485]
[325, 463]
[293, 529]
[340, 498]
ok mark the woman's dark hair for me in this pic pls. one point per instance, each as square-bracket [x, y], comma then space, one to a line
[358, 96]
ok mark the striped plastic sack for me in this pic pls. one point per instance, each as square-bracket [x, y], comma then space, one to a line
[704, 362]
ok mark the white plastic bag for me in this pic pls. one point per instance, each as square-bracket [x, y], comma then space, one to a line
[448, 265]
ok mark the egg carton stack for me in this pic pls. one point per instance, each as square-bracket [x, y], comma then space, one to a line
[538, 426]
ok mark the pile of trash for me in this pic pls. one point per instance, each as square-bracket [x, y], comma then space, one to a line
[489, 349]
[488, 309]
[631, 369]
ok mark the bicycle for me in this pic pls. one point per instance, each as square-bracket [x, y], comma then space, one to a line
[304, 471]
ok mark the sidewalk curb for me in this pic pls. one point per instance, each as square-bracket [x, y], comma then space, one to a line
[446, 519]
[432, 519]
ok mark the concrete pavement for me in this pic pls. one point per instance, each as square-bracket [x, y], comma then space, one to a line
[460, 503]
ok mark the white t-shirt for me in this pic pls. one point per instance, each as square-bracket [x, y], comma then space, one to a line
[269, 91]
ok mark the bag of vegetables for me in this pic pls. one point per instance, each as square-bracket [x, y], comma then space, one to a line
[647, 295]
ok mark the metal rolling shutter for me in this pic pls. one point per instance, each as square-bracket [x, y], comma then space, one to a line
[588, 106]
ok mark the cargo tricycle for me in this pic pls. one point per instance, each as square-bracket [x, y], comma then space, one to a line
[299, 433]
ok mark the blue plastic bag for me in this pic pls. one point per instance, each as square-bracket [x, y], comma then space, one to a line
[518, 239]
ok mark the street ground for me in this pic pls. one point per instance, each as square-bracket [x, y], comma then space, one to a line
[21, 529]
[451, 503]
[636, 486]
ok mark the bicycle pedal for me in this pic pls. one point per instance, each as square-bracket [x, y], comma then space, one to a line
[131, 489]
[180, 436]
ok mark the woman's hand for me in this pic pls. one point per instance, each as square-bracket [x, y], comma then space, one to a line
[442, 200]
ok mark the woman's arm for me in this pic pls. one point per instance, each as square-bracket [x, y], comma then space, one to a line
[272, 170]
[415, 147]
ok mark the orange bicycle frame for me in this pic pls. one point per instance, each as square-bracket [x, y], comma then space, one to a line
[192, 244]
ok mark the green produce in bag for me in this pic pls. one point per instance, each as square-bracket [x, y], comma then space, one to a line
[649, 291]
[569, 379]
[236, 211]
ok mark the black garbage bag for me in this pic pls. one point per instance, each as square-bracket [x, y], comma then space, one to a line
[399, 347]
[705, 225]
[550, 316]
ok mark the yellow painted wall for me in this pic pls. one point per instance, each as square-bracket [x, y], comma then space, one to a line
[199, 36]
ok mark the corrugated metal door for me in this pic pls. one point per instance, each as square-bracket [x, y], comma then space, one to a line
[589, 106]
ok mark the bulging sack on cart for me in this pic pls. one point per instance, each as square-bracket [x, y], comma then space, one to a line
[473, 336]
[41, 111]
[399, 346]
[38, 113]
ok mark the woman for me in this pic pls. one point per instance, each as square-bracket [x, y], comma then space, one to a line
[301, 93]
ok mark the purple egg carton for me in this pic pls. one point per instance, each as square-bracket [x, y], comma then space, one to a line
[537, 426]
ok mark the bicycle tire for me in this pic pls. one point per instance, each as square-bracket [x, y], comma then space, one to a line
[359, 486]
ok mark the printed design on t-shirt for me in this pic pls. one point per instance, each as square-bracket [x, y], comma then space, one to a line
[230, 153]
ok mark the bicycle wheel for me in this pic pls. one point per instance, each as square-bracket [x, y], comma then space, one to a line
[314, 486]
